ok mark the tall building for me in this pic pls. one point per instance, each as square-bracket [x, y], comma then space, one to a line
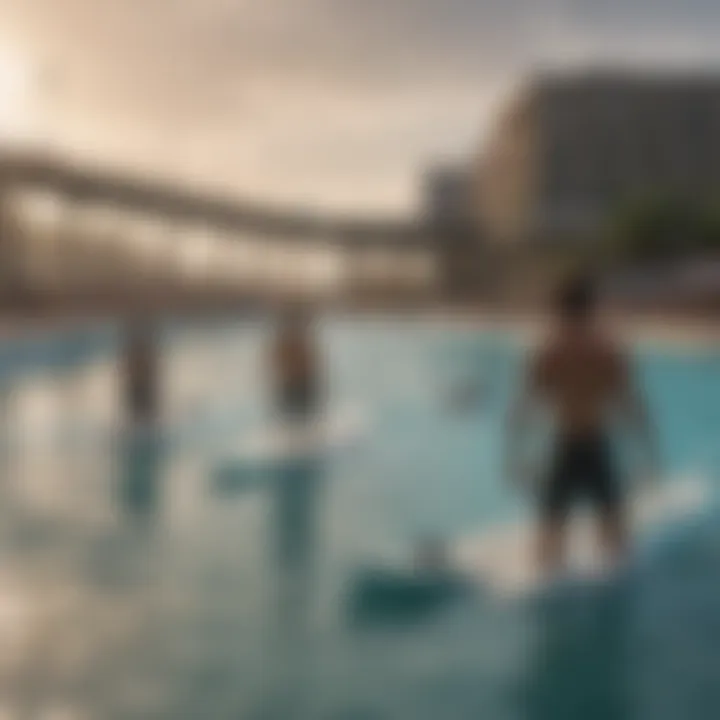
[449, 196]
[450, 215]
[570, 150]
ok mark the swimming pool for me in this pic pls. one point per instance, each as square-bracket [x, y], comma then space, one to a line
[132, 586]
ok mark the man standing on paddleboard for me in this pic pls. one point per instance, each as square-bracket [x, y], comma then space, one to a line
[582, 376]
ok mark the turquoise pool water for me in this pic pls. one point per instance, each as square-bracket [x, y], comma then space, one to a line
[132, 586]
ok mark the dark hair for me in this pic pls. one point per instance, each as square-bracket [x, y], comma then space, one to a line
[576, 298]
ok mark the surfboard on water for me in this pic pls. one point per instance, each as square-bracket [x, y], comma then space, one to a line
[501, 557]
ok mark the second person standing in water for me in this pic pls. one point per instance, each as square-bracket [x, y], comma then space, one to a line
[296, 368]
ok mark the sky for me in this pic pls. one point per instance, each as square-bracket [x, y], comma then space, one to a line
[334, 104]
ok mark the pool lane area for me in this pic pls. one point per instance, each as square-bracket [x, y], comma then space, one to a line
[134, 584]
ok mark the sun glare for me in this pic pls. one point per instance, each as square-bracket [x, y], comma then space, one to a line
[16, 118]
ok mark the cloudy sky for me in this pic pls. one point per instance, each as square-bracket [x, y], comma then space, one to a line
[334, 103]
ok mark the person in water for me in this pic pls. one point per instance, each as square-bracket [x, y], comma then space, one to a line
[582, 375]
[296, 369]
[142, 377]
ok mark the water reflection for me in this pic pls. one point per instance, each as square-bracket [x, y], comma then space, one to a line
[580, 664]
[142, 459]
[294, 541]
[295, 491]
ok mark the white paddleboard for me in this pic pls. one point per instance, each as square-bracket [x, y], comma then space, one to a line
[501, 558]
[289, 441]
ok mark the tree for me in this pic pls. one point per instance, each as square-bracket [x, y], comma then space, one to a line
[663, 228]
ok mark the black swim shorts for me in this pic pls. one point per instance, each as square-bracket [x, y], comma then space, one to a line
[582, 469]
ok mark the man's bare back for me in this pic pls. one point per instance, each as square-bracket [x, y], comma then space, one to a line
[581, 374]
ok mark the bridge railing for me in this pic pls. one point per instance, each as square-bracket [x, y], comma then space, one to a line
[70, 233]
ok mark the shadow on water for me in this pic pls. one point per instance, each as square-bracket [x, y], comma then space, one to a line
[579, 662]
[641, 646]
[392, 598]
[295, 493]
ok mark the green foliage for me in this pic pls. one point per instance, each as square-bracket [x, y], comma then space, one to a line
[663, 228]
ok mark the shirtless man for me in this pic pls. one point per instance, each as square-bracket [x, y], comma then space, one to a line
[582, 376]
[296, 370]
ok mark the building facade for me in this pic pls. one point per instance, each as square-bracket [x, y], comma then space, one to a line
[570, 151]
[450, 215]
